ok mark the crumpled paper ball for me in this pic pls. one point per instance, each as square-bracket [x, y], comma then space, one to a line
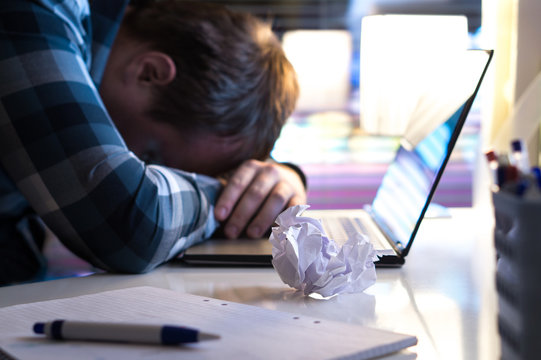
[308, 260]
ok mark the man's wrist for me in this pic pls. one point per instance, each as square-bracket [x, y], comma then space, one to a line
[298, 170]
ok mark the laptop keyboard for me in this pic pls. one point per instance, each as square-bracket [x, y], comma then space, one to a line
[340, 229]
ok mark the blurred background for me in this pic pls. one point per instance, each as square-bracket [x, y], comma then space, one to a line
[340, 139]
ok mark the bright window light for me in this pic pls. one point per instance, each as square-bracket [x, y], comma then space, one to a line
[322, 60]
[412, 72]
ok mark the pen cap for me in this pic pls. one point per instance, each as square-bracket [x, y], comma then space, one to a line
[171, 335]
[491, 156]
[39, 328]
[517, 145]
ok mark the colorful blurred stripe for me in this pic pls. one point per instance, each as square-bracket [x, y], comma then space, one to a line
[344, 167]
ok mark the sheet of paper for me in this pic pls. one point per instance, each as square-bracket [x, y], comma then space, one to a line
[247, 332]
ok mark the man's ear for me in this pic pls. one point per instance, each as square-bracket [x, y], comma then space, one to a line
[155, 68]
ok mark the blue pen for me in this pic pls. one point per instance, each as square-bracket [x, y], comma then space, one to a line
[520, 155]
[121, 332]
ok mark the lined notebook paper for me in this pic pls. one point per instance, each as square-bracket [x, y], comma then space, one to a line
[247, 332]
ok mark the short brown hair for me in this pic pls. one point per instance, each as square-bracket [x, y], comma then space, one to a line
[233, 78]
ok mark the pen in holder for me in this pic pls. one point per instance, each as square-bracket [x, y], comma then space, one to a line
[517, 237]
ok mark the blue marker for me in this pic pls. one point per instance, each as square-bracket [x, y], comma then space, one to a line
[520, 156]
[121, 332]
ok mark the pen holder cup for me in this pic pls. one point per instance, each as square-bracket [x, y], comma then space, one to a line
[517, 237]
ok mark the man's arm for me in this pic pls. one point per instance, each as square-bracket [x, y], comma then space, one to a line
[59, 146]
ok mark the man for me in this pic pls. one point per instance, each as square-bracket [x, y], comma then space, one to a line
[190, 86]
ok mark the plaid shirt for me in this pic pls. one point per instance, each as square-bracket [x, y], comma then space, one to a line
[62, 158]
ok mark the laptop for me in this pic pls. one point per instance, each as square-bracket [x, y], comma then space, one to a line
[393, 218]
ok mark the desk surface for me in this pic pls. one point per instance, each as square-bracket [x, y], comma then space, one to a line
[445, 294]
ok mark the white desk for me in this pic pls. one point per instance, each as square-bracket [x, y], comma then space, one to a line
[445, 294]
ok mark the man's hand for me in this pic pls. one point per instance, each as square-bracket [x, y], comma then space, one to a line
[254, 196]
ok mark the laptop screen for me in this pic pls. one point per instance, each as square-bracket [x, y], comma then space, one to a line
[412, 177]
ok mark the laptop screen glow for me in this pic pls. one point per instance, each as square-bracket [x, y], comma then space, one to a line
[408, 182]
[411, 179]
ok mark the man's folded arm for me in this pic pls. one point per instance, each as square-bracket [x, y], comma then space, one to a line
[61, 149]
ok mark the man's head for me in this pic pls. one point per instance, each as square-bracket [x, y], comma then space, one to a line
[199, 74]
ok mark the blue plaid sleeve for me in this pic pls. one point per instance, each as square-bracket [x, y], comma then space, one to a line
[60, 148]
